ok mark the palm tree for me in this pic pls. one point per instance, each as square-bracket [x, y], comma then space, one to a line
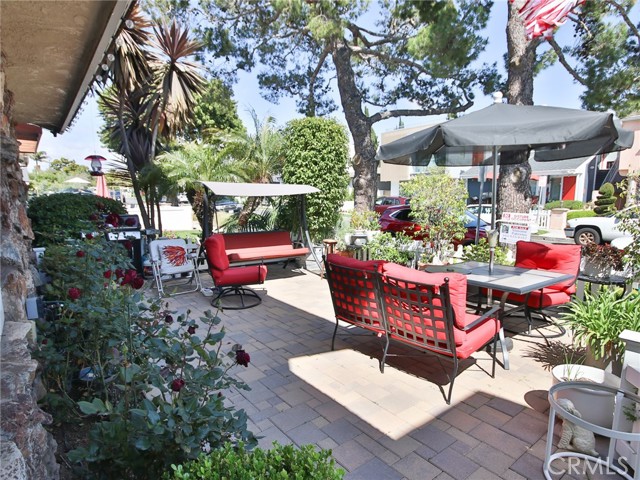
[257, 157]
[39, 157]
[191, 163]
[147, 98]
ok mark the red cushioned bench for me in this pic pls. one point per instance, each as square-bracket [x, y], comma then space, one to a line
[261, 247]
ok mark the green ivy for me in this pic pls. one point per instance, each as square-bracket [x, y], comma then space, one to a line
[57, 217]
[282, 462]
[316, 152]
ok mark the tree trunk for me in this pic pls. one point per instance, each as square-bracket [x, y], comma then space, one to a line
[364, 164]
[514, 193]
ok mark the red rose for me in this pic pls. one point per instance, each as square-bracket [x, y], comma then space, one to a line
[242, 358]
[192, 329]
[137, 282]
[107, 274]
[177, 384]
[130, 222]
[74, 293]
[113, 219]
[127, 244]
[89, 236]
[119, 273]
[80, 254]
[168, 318]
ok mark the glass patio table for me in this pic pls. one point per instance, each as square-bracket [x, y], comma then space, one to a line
[504, 278]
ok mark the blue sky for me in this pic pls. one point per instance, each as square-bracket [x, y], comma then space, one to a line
[553, 87]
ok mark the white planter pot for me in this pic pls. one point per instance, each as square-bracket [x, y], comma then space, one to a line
[596, 407]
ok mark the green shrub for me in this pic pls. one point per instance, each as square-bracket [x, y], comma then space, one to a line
[316, 153]
[570, 204]
[480, 253]
[278, 463]
[580, 214]
[605, 203]
[57, 217]
[385, 246]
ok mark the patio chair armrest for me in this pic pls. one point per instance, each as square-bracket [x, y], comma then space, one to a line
[488, 314]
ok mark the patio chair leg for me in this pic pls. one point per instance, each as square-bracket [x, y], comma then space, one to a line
[505, 350]
[453, 378]
[384, 353]
[333, 339]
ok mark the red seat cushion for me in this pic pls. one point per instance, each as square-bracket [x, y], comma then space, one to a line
[216, 253]
[457, 287]
[543, 298]
[563, 258]
[237, 276]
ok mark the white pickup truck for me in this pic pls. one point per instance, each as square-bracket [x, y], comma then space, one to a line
[597, 229]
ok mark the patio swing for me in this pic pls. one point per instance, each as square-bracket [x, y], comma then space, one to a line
[232, 273]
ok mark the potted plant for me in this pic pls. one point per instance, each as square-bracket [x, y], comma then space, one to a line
[601, 260]
[364, 225]
[399, 249]
[598, 320]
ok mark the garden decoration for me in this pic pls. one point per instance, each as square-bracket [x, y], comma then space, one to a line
[574, 437]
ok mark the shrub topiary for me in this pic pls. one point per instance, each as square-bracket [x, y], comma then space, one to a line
[59, 216]
[605, 203]
[280, 462]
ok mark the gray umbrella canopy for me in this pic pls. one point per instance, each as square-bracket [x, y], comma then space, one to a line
[554, 133]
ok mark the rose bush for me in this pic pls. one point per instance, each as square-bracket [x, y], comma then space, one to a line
[152, 383]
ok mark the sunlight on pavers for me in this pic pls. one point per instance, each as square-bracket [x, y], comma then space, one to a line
[354, 381]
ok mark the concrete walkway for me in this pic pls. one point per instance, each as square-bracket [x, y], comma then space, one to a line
[394, 425]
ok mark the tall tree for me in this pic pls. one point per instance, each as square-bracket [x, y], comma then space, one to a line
[39, 157]
[148, 96]
[418, 52]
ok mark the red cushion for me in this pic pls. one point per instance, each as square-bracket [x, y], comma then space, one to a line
[369, 265]
[476, 337]
[239, 275]
[236, 241]
[258, 253]
[216, 253]
[457, 287]
[546, 297]
[556, 257]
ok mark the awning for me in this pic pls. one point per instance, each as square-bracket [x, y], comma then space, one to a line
[257, 189]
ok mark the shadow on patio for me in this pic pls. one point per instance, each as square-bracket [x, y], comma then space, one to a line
[379, 426]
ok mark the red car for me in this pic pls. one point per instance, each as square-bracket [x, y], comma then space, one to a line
[383, 203]
[398, 219]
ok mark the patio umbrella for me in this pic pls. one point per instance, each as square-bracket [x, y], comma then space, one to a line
[101, 187]
[553, 133]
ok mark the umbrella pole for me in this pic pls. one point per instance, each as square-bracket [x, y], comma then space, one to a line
[481, 175]
[494, 184]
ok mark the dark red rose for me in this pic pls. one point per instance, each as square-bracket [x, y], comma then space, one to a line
[45, 341]
[89, 236]
[74, 293]
[80, 254]
[137, 282]
[94, 217]
[113, 219]
[107, 274]
[192, 329]
[130, 222]
[168, 318]
[177, 384]
[127, 244]
[119, 273]
[242, 358]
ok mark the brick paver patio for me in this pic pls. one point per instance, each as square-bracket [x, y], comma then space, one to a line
[394, 425]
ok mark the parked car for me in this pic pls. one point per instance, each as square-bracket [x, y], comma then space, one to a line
[225, 204]
[597, 229]
[398, 219]
[383, 203]
[485, 211]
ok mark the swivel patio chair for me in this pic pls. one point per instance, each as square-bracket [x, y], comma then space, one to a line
[232, 282]
[174, 266]
[555, 257]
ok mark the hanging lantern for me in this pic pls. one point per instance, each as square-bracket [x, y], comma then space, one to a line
[96, 164]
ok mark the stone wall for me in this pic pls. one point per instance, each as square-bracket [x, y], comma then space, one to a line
[27, 450]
